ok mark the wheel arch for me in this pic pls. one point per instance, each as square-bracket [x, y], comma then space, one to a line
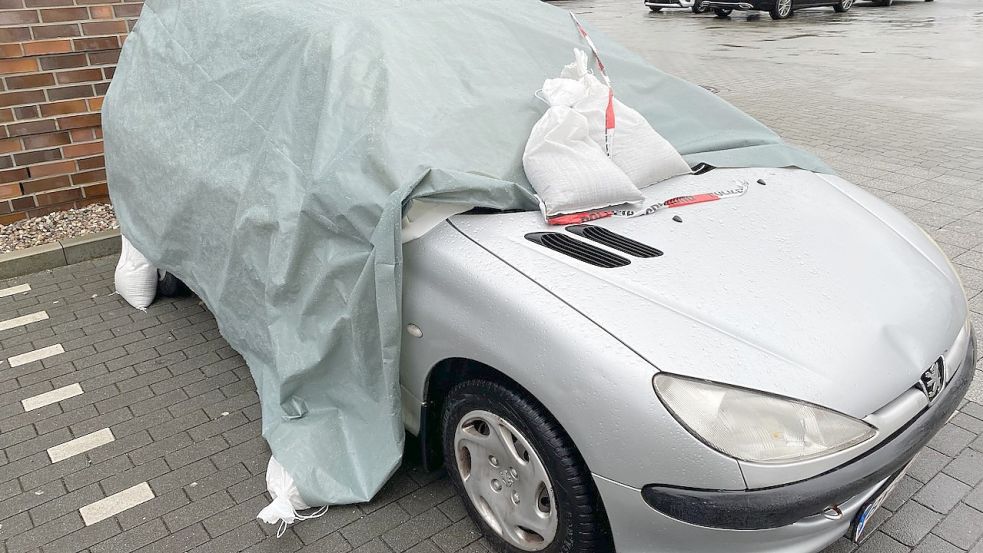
[443, 376]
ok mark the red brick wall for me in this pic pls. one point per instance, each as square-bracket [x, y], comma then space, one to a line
[56, 60]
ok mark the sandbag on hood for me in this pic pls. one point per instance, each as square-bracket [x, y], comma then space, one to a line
[262, 151]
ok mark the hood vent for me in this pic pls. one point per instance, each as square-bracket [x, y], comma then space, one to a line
[614, 241]
[578, 250]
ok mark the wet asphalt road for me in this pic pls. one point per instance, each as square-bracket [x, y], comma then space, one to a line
[920, 56]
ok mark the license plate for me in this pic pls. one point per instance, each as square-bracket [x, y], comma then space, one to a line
[870, 508]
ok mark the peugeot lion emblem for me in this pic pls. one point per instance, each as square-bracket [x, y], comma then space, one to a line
[933, 380]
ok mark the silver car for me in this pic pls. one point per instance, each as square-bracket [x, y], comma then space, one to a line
[749, 375]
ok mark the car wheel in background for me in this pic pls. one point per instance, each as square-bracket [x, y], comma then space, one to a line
[722, 12]
[698, 7]
[842, 6]
[169, 286]
[782, 9]
[519, 473]
[883, 2]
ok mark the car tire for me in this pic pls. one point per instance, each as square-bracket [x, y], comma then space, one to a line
[169, 286]
[655, 9]
[781, 10]
[843, 6]
[698, 7]
[539, 468]
[722, 12]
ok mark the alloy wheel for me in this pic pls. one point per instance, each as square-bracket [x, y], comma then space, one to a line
[784, 7]
[506, 481]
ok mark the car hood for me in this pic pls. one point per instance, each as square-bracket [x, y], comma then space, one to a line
[805, 286]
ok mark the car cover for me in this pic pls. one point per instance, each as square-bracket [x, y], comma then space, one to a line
[263, 151]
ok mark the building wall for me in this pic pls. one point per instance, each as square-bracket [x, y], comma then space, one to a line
[56, 60]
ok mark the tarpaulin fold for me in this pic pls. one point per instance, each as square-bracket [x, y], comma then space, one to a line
[263, 150]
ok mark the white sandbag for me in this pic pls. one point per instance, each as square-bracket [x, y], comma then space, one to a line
[286, 499]
[136, 278]
[637, 149]
[569, 170]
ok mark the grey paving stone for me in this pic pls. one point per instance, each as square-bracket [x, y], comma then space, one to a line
[942, 493]
[460, 534]
[229, 519]
[910, 524]
[65, 504]
[45, 533]
[107, 420]
[236, 540]
[249, 487]
[951, 440]
[333, 543]
[161, 505]
[211, 481]
[198, 511]
[415, 530]
[131, 477]
[927, 464]
[84, 538]
[18, 502]
[427, 497]
[374, 525]
[963, 527]
[317, 531]
[967, 467]
[134, 539]
[882, 543]
[93, 473]
[183, 540]
[288, 543]
[935, 544]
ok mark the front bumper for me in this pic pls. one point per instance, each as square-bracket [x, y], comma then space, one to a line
[677, 4]
[762, 5]
[780, 519]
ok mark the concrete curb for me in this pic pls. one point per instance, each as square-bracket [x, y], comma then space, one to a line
[59, 254]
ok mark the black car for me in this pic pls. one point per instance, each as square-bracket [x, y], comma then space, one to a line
[778, 9]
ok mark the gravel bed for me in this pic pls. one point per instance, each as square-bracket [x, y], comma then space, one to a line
[57, 226]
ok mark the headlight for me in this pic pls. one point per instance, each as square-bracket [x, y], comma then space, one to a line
[757, 427]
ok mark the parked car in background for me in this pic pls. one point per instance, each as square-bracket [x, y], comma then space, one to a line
[658, 6]
[778, 9]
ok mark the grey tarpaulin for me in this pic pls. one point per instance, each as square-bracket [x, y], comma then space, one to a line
[261, 150]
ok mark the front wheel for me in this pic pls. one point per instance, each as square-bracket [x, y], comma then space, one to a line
[782, 9]
[698, 7]
[842, 6]
[722, 12]
[520, 476]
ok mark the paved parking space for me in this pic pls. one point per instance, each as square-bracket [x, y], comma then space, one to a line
[128, 431]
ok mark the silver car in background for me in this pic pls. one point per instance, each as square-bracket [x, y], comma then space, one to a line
[741, 376]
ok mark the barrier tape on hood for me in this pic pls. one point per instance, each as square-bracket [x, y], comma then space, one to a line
[631, 213]
[681, 201]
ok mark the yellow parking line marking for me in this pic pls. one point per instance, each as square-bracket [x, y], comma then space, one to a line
[116, 503]
[54, 396]
[80, 445]
[36, 355]
[25, 320]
